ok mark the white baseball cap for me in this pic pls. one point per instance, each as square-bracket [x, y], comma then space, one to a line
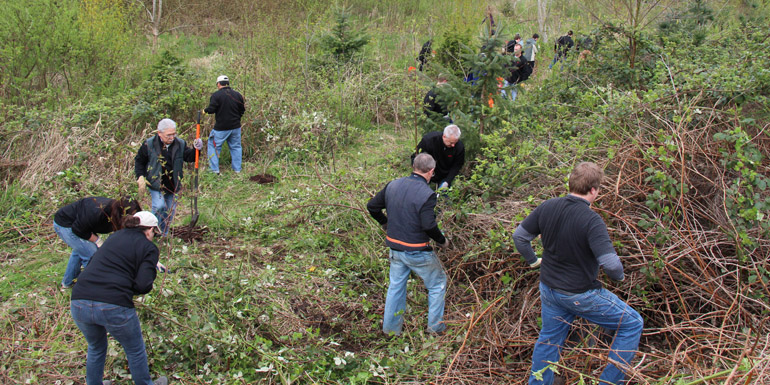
[223, 78]
[148, 219]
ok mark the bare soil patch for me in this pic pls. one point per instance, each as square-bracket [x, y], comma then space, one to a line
[263, 178]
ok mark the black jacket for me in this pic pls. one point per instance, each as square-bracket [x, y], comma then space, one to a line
[229, 107]
[563, 44]
[87, 216]
[431, 106]
[449, 161]
[424, 54]
[122, 268]
[409, 202]
[519, 70]
[161, 166]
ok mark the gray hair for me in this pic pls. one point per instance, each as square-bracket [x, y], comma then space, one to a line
[165, 124]
[423, 162]
[452, 131]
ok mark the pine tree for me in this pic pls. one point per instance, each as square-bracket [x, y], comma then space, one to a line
[344, 42]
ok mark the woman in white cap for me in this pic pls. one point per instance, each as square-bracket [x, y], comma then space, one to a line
[102, 298]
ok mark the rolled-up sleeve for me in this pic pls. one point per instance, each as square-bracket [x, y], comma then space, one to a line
[523, 241]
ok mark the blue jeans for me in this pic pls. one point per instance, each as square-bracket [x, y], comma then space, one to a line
[95, 320]
[427, 265]
[82, 251]
[511, 90]
[164, 207]
[599, 306]
[214, 148]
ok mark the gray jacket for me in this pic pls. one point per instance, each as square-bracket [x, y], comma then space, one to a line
[530, 49]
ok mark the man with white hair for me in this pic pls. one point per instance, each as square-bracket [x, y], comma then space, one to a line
[229, 106]
[159, 165]
[410, 225]
[448, 151]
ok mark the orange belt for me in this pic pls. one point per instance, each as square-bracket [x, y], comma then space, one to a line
[407, 244]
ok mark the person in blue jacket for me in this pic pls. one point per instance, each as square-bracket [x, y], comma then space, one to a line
[410, 225]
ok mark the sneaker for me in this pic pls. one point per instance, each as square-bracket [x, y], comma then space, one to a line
[162, 380]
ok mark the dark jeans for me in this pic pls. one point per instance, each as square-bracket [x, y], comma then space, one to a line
[95, 320]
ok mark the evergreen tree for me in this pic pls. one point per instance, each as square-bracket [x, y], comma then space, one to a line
[344, 42]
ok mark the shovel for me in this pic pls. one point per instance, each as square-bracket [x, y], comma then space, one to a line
[195, 213]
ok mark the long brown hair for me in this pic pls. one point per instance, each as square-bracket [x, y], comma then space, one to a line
[123, 208]
[132, 222]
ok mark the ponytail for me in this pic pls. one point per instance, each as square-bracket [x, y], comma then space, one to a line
[121, 209]
[130, 222]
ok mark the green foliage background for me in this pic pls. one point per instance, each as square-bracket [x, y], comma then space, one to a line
[288, 284]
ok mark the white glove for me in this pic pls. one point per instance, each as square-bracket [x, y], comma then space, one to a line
[536, 263]
[142, 185]
[198, 144]
[99, 241]
[443, 185]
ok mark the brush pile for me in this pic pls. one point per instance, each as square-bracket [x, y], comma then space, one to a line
[684, 207]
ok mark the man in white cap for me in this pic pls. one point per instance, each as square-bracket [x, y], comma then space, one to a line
[229, 106]
[159, 165]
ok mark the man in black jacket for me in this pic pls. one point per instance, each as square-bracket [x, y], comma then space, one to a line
[562, 46]
[432, 107]
[448, 152]
[519, 71]
[229, 106]
[410, 225]
[159, 165]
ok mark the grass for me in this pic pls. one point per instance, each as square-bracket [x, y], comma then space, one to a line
[289, 272]
[288, 284]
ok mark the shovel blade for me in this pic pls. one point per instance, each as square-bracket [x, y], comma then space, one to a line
[194, 219]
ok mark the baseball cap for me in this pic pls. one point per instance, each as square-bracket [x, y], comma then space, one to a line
[223, 78]
[148, 219]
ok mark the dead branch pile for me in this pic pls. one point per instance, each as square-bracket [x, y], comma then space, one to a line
[695, 270]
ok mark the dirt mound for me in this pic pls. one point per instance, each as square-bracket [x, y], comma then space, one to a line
[189, 234]
[263, 178]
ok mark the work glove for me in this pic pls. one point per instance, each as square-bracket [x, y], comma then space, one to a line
[99, 241]
[198, 144]
[536, 263]
[142, 185]
[445, 244]
[203, 112]
[162, 268]
[443, 185]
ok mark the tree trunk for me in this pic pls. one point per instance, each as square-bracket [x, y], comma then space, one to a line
[157, 13]
[542, 13]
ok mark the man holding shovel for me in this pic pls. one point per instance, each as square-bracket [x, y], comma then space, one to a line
[229, 106]
[159, 164]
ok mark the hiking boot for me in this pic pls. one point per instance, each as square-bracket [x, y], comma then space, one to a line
[162, 380]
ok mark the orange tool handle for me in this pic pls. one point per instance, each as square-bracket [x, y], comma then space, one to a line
[197, 136]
